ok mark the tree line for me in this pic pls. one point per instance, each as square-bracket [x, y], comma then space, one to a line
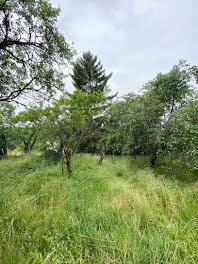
[160, 120]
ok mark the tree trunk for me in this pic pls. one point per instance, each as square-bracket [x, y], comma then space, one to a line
[63, 171]
[3, 146]
[68, 157]
[134, 155]
[5, 151]
[26, 147]
[153, 158]
[60, 148]
[101, 158]
[69, 165]
[33, 143]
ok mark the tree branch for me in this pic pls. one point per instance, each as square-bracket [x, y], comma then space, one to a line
[6, 43]
[16, 58]
[14, 94]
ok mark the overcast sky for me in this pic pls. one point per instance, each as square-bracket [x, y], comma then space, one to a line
[135, 39]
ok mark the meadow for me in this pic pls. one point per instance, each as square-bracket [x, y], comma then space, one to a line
[119, 212]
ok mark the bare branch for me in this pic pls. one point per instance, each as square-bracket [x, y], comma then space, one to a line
[15, 57]
[14, 94]
[7, 43]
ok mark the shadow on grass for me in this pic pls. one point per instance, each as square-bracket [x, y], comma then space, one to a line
[175, 169]
[28, 163]
[172, 169]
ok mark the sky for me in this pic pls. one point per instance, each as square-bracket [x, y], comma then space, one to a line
[134, 39]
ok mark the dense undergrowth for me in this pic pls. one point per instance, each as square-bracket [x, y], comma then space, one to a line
[120, 212]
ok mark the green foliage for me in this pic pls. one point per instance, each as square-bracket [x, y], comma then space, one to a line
[162, 119]
[27, 126]
[90, 78]
[31, 47]
[113, 137]
[71, 116]
[51, 156]
[88, 74]
[173, 88]
[181, 135]
[69, 120]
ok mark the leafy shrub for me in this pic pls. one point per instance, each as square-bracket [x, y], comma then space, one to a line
[51, 156]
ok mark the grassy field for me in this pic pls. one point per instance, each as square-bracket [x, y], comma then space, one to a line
[120, 212]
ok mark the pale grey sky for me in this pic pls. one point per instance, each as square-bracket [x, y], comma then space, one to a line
[135, 39]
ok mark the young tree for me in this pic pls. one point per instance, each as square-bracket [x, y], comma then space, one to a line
[31, 49]
[171, 91]
[174, 88]
[143, 127]
[69, 120]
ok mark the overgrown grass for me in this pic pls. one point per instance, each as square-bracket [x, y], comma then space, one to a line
[120, 212]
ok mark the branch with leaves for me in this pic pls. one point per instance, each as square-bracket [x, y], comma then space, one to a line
[31, 49]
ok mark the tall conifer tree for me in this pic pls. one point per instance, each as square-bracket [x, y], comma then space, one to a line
[88, 74]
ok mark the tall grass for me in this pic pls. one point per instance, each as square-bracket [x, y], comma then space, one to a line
[120, 212]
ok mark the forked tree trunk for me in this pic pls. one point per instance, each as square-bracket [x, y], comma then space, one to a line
[101, 158]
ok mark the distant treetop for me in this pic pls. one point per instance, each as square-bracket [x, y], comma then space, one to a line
[89, 75]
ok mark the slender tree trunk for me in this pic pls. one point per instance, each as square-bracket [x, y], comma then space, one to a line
[68, 157]
[63, 171]
[153, 158]
[27, 144]
[134, 155]
[69, 164]
[1, 152]
[101, 158]
[5, 151]
[172, 106]
[3, 147]
[26, 147]
[33, 143]
[60, 148]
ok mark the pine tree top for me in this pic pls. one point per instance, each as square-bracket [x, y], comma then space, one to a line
[88, 74]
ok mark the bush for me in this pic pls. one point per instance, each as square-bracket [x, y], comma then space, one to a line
[51, 156]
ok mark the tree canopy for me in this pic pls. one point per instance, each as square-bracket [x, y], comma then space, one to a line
[31, 49]
[148, 124]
